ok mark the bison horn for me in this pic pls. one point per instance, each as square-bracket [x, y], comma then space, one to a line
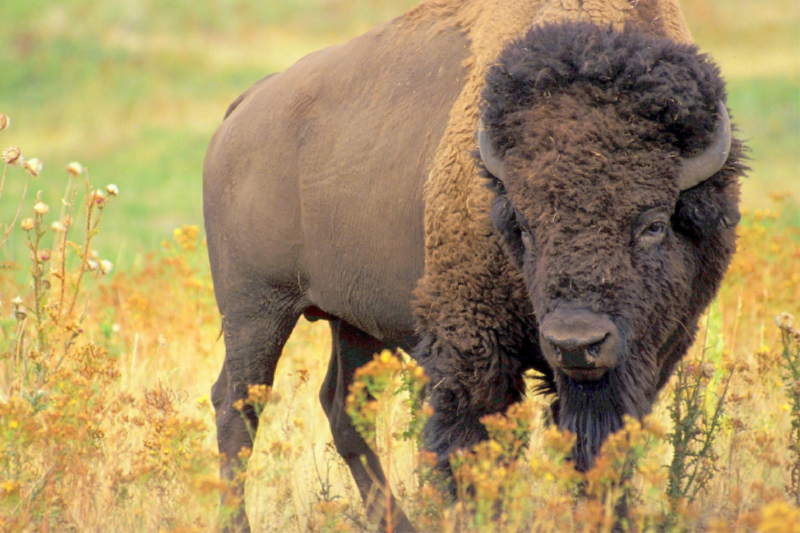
[490, 159]
[697, 169]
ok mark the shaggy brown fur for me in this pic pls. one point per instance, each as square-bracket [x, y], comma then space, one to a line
[471, 302]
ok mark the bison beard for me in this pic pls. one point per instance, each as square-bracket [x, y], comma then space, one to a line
[594, 410]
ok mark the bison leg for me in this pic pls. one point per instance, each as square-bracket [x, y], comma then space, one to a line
[463, 388]
[255, 333]
[351, 349]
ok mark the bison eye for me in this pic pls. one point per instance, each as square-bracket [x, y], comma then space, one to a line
[651, 227]
[655, 230]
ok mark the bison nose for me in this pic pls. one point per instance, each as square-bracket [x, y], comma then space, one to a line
[584, 345]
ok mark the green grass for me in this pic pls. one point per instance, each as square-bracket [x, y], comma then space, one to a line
[767, 111]
[134, 89]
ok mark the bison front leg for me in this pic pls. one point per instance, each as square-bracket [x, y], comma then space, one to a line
[465, 386]
[476, 338]
[351, 349]
[255, 333]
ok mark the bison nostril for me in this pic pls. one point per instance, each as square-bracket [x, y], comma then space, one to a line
[593, 351]
[559, 358]
[576, 354]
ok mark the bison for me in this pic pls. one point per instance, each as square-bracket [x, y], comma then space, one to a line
[492, 186]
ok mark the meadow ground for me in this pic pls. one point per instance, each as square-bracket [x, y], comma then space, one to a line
[104, 413]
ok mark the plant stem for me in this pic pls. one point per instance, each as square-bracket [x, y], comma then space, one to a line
[86, 242]
[19, 210]
[63, 251]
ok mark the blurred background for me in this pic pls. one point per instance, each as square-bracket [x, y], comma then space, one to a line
[134, 89]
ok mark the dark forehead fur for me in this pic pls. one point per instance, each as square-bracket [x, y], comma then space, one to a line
[662, 81]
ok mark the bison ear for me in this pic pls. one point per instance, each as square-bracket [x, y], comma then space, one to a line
[705, 210]
[505, 222]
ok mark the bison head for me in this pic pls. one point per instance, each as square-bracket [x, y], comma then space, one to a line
[616, 181]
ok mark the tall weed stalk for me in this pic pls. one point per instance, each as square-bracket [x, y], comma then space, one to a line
[697, 411]
[790, 373]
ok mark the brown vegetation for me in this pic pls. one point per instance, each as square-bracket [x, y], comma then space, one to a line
[106, 422]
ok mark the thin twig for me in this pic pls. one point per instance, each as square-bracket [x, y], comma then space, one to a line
[67, 221]
[3, 181]
[86, 242]
[19, 210]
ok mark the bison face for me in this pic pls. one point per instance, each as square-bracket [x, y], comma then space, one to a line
[592, 195]
[618, 262]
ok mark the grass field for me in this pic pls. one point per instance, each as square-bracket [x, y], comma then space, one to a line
[105, 421]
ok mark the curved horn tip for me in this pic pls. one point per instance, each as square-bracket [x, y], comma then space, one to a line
[697, 169]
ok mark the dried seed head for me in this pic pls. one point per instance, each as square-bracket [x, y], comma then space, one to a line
[106, 266]
[19, 309]
[33, 167]
[58, 227]
[112, 189]
[4, 121]
[92, 265]
[98, 197]
[41, 208]
[708, 370]
[26, 224]
[74, 169]
[784, 321]
[11, 155]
